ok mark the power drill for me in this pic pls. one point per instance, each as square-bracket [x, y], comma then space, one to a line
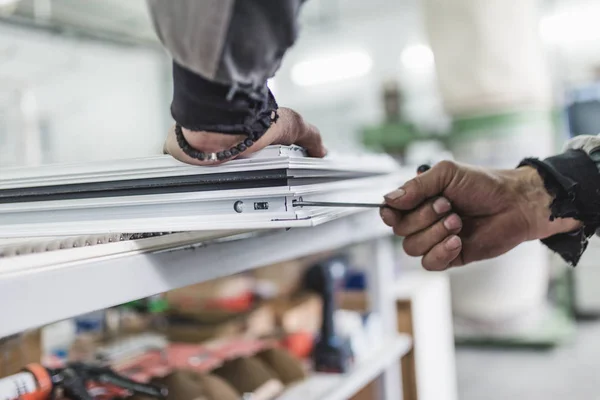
[331, 352]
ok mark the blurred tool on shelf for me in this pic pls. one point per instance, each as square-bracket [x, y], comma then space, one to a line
[76, 381]
[332, 352]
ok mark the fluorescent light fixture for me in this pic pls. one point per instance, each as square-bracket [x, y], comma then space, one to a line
[334, 68]
[417, 57]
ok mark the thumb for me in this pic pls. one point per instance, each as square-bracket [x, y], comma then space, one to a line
[291, 128]
[425, 186]
[310, 139]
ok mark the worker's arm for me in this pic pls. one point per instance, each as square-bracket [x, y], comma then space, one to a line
[223, 53]
[455, 214]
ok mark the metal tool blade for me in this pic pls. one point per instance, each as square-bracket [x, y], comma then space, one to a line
[302, 203]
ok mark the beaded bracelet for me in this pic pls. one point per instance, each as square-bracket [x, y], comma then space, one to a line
[253, 137]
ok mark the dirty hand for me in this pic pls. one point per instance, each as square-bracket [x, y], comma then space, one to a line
[290, 128]
[455, 214]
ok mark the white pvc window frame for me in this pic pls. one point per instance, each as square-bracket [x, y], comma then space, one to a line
[215, 210]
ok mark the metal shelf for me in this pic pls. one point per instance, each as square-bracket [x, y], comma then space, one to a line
[342, 387]
[35, 296]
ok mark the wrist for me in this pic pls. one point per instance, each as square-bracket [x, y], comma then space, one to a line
[535, 201]
[211, 142]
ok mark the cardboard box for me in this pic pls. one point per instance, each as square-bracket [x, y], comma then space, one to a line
[233, 293]
[285, 278]
[206, 325]
[196, 333]
[355, 300]
[260, 322]
[20, 350]
[301, 313]
[251, 375]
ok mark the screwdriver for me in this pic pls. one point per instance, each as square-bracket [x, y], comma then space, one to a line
[301, 203]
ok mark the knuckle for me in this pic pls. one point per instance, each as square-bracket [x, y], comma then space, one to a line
[411, 248]
[446, 165]
[293, 128]
[427, 264]
[438, 232]
[426, 214]
[416, 184]
[447, 168]
[400, 230]
[436, 260]
[296, 121]
[397, 230]
[389, 217]
[387, 221]
[421, 218]
[315, 131]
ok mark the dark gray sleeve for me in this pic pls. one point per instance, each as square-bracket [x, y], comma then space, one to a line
[227, 41]
[572, 179]
[223, 53]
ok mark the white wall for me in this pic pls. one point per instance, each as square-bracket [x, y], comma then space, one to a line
[339, 109]
[99, 101]
[92, 100]
[383, 29]
[571, 32]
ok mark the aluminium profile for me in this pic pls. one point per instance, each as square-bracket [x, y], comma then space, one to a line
[271, 158]
[231, 202]
[265, 208]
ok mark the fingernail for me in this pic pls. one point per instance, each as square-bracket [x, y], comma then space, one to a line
[441, 205]
[396, 194]
[453, 243]
[452, 222]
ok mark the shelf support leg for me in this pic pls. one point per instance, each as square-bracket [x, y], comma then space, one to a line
[381, 278]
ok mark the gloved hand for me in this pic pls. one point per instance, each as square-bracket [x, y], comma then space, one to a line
[290, 128]
[455, 214]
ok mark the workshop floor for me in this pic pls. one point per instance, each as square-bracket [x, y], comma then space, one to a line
[568, 372]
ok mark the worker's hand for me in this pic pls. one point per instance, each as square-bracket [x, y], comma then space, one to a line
[455, 214]
[290, 128]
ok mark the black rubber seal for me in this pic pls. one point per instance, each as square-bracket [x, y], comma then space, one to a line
[573, 180]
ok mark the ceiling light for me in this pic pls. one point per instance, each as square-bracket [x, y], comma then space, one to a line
[417, 57]
[332, 68]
